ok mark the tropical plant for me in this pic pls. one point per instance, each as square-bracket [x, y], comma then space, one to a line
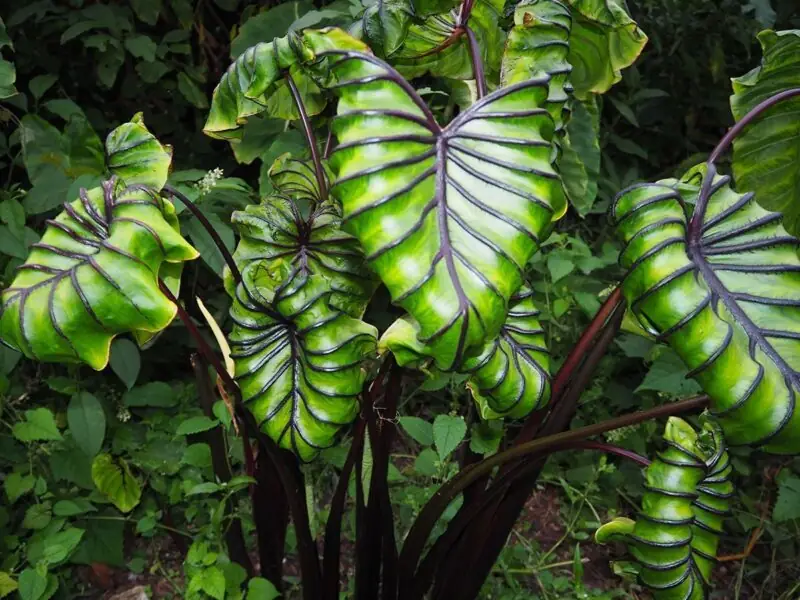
[445, 207]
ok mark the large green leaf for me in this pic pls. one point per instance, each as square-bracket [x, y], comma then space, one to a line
[725, 294]
[275, 238]
[448, 217]
[135, 155]
[766, 154]
[255, 83]
[94, 275]
[298, 360]
[385, 24]
[538, 45]
[604, 41]
[416, 56]
[510, 376]
[687, 492]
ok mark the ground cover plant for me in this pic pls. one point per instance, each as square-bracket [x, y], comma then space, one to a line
[358, 379]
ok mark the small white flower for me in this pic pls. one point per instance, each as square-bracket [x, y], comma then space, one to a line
[209, 180]
[123, 414]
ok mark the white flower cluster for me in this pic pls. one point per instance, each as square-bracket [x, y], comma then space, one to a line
[209, 180]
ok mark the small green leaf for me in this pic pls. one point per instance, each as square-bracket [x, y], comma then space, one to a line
[72, 507]
[448, 432]
[787, 507]
[208, 249]
[39, 425]
[157, 394]
[259, 588]
[197, 455]
[87, 422]
[427, 463]
[141, 46]
[212, 582]
[56, 547]
[38, 516]
[32, 585]
[114, 479]
[8, 585]
[560, 265]
[17, 485]
[419, 429]
[193, 94]
[196, 425]
[40, 84]
[125, 361]
[667, 374]
[207, 487]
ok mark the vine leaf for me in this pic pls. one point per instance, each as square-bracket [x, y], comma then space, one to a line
[93, 276]
[447, 217]
[418, 56]
[135, 155]
[298, 360]
[278, 243]
[725, 294]
[767, 152]
[604, 41]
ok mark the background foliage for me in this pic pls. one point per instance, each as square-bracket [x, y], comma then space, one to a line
[94, 469]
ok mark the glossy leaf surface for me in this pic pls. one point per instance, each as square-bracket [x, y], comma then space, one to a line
[510, 376]
[726, 296]
[604, 41]
[538, 45]
[767, 152]
[135, 155]
[676, 534]
[434, 46]
[298, 361]
[448, 217]
[94, 275]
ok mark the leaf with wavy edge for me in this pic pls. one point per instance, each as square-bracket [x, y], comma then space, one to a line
[297, 179]
[509, 376]
[254, 83]
[93, 276]
[604, 41]
[135, 155]
[726, 297]
[537, 45]
[676, 535]
[298, 361]
[766, 154]
[278, 244]
[448, 217]
[416, 56]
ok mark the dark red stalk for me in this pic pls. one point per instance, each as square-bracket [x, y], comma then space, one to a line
[198, 214]
[477, 61]
[528, 451]
[310, 138]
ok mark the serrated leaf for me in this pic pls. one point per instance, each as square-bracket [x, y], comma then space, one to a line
[766, 153]
[298, 360]
[87, 422]
[114, 480]
[787, 506]
[419, 429]
[194, 425]
[39, 426]
[724, 292]
[8, 584]
[447, 217]
[448, 433]
[94, 275]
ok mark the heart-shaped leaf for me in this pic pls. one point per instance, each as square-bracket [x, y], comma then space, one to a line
[94, 275]
[448, 217]
[114, 479]
[298, 360]
[724, 292]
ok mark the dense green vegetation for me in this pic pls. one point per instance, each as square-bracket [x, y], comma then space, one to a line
[136, 474]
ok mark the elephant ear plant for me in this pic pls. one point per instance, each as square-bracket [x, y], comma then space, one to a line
[444, 208]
